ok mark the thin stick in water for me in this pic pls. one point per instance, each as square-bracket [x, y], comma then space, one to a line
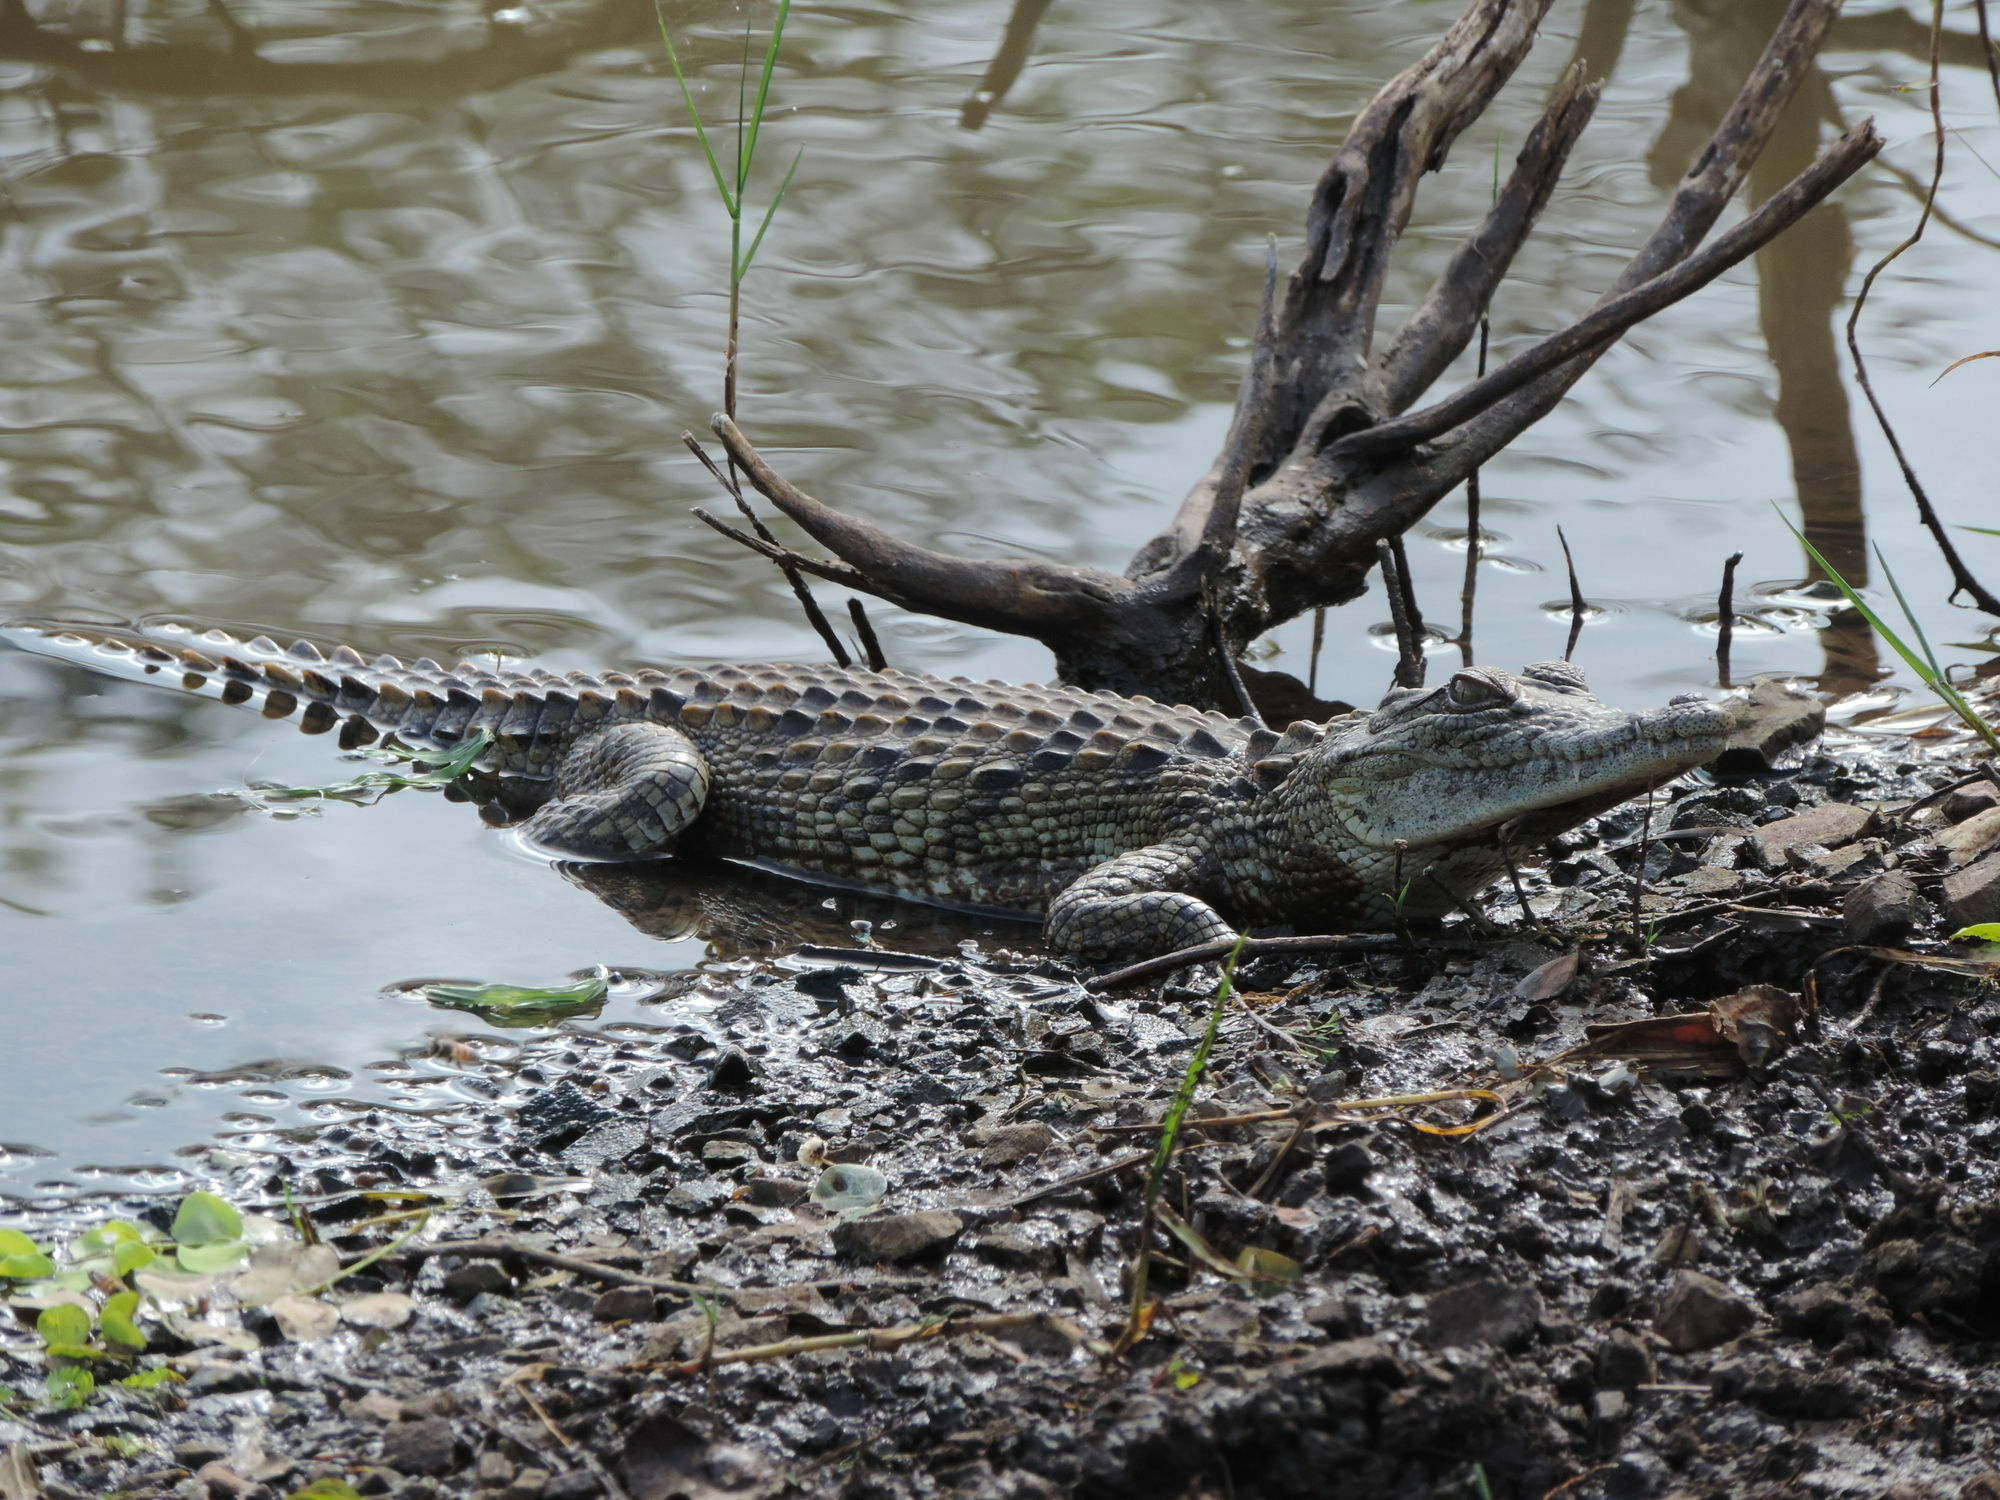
[871, 646]
[1576, 605]
[1319, 640]
[1473, 542]
[1402, 614]
[815, 616]
[1725, 616]
[1962, 581]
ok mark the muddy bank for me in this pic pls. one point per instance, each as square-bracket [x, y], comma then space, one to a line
[1703, 1276]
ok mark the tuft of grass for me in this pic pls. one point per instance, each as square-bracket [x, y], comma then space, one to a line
[733, 185]
[1140, 1313]
[1920, 659]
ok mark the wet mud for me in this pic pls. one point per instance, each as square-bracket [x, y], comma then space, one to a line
[1766, 1265]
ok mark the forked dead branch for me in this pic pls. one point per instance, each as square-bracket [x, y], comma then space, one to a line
[1325, 455]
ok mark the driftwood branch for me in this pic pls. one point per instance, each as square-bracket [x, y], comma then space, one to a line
[1323, 457]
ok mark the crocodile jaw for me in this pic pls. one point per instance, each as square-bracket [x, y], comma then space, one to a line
[1538, 753]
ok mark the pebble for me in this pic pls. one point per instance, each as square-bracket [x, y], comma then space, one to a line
[1829, 825]
[1972, 895]
[1885, 909]
[1486, 1311]
[421, 1447]
[1699, 1312]
[897, 1236]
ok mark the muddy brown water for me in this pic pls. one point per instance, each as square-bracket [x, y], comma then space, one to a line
[380, 324]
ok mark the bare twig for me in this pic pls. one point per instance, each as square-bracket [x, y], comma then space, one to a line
[1725, 616]
[786, 563]
[871, 647]
[1962, 581]
[1201, 953]
[598, 1271]
[879, 1339]
[1403, 614]
[1602, 326]
[1015, 44]
[1475, 544]
[1577, 608]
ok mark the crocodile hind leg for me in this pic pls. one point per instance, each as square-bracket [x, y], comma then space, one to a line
[1135, 903]
[625, 791]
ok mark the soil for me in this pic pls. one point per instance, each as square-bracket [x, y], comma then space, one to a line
[1767, 1265]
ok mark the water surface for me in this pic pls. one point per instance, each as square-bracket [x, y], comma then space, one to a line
[379, 322]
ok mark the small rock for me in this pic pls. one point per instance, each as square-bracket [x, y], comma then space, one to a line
[1623, 1363]
[1699, 1312]
[376, 1405]
[774, 1192]
[493, 1471]
[1487, 1311]
[1981, 1487]
[1978, 835]
[1972, 895]
[1885, 909]
[198, 1451]
[529, 1484]
[1771, 720]
[1829, 825]
[420, 1447]
[1609, 1406]
[1969, 800]
[223, 1482]
[475, 1276]
[1828, 1316]
[722, 1155]
[1008, 1144]
[555, 1117]
[733, 1070]
[626, 1304]
[574, 1484]
[897, 1236]
[1345, 1169]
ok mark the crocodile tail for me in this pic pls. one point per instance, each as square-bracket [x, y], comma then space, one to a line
[419, 704]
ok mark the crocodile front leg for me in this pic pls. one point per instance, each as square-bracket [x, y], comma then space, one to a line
[1134, 903]
[628, 790]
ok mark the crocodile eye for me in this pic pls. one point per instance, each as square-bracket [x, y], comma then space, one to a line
[1473, 690]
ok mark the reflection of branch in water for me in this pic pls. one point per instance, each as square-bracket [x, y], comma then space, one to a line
[1801, 278]
[1015, 44]
[1918, 189]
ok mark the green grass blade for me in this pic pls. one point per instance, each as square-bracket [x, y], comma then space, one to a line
[1937, 672]
[749, 153]
[729, 201]
[751, 254]
[1926, 671]
[1982, 530]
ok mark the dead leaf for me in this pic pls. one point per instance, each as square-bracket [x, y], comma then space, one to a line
[1759, 1018]
[378, 1310]
[1551, 979]
[1966, 360]
[304, 1319]
[1666, 1044]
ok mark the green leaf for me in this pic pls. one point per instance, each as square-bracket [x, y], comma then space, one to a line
[21, 1259]
[115, 1321]
[769, 213]
[210, 1257]
[128, 1258]
[748, 149]
[326, 1489]
[1267, 1269]
[694, 115]
[204, 1218]
[107, 1237]
[519, 1001]
[1979, 932]
[32, 1266]
[69, 1386]
[145, 1380]
[65, 1324]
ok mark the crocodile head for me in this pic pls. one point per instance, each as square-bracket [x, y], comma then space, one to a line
[1489, 763]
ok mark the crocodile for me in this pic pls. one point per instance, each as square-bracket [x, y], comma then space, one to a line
[1127, 826]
